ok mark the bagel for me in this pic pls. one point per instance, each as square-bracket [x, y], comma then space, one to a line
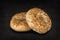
[18, 22]
[38, 20]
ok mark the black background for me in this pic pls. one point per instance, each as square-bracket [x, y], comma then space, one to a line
[9, 8]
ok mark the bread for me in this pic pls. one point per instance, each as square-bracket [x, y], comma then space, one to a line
[18, 22]
[38, 20]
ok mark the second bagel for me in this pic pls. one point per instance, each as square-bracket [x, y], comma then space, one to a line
[18, 22]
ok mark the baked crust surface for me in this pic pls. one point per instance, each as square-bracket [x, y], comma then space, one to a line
[38, 20]
[18, 22]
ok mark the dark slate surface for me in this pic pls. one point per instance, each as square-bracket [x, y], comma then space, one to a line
[9, 8]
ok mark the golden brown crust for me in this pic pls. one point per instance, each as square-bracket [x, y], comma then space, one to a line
[18, 22]
[38, 20]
